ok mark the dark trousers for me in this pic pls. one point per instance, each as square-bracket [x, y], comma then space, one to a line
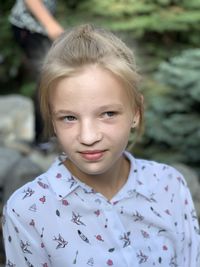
[34, 47]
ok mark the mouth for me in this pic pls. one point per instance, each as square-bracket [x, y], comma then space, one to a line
[92, 155]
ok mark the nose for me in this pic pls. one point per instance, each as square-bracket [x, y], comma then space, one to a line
[89, 133]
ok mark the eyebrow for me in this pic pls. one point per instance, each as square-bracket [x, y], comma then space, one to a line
[99, 109]
[62, 112]
[110, 107]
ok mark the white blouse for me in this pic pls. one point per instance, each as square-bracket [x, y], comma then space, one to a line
[58, 221]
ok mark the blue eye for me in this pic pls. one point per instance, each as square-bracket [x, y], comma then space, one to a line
[69, 118]
[110, 113]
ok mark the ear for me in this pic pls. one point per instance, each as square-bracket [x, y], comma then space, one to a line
[137, 114]
[136, 120]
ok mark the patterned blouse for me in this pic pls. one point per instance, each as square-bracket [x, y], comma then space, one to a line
[58, 221]
[22, 18]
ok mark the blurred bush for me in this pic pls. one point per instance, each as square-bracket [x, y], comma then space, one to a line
[147, 15]
[157, 27]
[10, 56]
[172, 131]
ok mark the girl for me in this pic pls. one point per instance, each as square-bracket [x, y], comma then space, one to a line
[97, 205]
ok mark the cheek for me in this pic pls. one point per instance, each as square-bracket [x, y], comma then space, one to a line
[120, 134]
[125, 129]
[64, 135]
[66, 141]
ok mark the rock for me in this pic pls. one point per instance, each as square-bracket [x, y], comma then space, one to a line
[17, 119]
[8, 158]
[24, 171]
[22, 147]
[41, 160]
[15, 170]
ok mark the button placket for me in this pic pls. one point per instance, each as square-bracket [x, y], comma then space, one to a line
[121, 234]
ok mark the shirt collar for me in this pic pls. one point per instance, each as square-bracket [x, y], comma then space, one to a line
[63, 183]
[139, 178]
[60, 179]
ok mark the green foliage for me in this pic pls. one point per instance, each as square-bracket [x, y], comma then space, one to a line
[28, 89]
[146, 16]
[184, 75]
[173, 113]
[159, 27]
[155, 25]
[9, 54]
[5, 6]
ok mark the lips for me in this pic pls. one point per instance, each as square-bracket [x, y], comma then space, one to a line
[92, 155]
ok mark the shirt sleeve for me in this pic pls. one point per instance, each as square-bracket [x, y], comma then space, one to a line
[190, 241]
[22, 243]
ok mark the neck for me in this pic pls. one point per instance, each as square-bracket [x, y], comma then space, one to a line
[109, 183]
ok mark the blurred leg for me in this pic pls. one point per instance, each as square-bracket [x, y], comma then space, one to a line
[34, 47]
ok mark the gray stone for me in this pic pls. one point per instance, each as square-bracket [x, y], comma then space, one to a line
[17, 118]
[8, 158]
[43, 161]
[22, 147]
[20, 173]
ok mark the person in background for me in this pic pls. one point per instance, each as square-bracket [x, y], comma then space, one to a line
[98, 205]
[35, 28]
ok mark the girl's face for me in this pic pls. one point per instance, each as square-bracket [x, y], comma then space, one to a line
[92, 118]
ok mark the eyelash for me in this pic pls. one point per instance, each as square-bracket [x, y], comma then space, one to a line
[68, 118]
[110, 114]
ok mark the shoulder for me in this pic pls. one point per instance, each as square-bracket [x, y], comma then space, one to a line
[159, 172]
[38, 195]
[162, 185]
[155, 176]
[26, 197]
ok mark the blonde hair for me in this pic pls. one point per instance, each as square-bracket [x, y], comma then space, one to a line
[81, 46]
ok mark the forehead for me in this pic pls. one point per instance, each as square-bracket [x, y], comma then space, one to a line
[92, 85]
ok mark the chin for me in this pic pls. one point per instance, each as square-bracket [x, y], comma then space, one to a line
[94, 171]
